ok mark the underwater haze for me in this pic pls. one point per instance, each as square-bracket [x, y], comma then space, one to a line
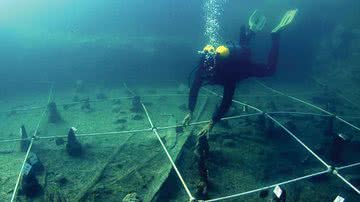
[118, 100]
[67, 40]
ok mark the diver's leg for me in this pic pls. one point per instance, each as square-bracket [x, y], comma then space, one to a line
[229, 90]
[262, 70]
[274, 52]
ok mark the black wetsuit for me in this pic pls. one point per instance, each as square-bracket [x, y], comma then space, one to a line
[236, 67]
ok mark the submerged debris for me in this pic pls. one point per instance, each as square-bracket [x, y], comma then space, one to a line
[85, 106]
[138, 117]
[73, 146]
[136, 105]
[68, 106]
[338, 145]
[101, 96]
[35, 162]
[202, 153]
[61, 179]
[53, 114]
[119, 121]
[30, 185]
[201, 190]
[25, 142]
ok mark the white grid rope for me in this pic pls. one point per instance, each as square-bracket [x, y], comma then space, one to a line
[328, 167]
[348, 166]
[297, 113]
[30, 146]
[336, 91]
[155, 130]
[299, 141]
[98, 134]
[351, 117]
[127, 131]
[294, 98]
[326, 112]
[208, 121]
[282, 126]
[348, 100]
[308, 104]
[191, 198]
[21, 171]
[268, 187]
[347, 182]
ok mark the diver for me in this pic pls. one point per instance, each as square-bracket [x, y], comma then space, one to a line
[228, 64]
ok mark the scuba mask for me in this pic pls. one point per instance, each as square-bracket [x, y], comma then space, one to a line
[209, 57]
[211, 54]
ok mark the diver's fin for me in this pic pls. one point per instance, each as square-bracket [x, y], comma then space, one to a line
[256, 21]
[286, 20]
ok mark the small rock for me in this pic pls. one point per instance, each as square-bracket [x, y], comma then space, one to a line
[138, 117]
[116, 102]
[101, 96]
[119, 121]
[61, 179]
[86, 105]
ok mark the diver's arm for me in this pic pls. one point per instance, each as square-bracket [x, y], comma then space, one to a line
[194, 90]
[229, 90]
[262, 70]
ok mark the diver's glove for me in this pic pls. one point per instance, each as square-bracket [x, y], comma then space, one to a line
[207, 129]
[285, 21]
[187, 119]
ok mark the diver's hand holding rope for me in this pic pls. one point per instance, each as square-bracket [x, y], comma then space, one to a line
[187, 119]
[206, 129]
